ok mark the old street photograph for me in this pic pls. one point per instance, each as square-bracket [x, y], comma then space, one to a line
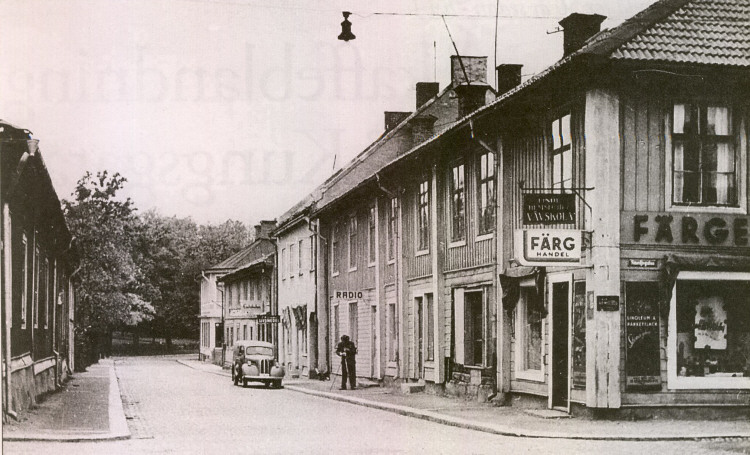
[385, 227]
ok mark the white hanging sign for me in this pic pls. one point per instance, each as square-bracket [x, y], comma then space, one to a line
[548, 247]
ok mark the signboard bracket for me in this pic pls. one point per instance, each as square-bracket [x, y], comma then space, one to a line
[576, 190]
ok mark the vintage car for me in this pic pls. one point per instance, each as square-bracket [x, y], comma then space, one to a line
[254, 362]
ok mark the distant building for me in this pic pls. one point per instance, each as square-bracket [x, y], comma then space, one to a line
[238, 298]
[37, 266]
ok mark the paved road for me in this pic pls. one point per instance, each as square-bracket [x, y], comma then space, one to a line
[176, 409]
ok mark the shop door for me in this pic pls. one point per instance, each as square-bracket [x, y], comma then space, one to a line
[373, 340]
[560, 342]
[420, 339]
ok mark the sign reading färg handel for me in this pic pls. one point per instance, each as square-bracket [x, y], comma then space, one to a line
[548, 247]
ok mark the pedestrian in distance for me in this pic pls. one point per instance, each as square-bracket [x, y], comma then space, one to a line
[347, 351]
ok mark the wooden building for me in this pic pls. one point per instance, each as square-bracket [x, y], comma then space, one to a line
[37, 266]
[578, 240]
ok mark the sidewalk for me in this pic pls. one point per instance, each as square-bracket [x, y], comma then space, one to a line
[509, 421]
[87, 408]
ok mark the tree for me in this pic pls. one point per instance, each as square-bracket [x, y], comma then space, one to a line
[103, 226]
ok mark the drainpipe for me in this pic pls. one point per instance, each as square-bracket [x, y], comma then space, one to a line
[318, 260]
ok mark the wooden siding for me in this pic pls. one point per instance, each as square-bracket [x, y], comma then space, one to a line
[643, 158]
[363, 277]
[526, 160]
[471, 252]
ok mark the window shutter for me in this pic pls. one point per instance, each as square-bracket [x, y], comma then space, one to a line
[460, 334]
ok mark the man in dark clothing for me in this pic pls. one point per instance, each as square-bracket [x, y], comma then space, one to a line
[347, 351]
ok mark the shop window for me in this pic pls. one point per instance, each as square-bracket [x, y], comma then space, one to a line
[562, 153]
[529, 334]
[458, 203]
[486, 193]
[709, 331]
[423, 216]
[704, 161]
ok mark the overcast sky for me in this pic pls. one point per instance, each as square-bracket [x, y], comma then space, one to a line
[220, 109]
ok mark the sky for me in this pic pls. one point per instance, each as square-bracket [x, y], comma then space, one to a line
[236, 109]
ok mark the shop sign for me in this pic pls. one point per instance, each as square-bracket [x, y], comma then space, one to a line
[548, 247]
[549, 208]
[608, 302]
[351, 295]
[710, 324]
[666, 228]
[268, 319]
[642, 352]
[642, 263]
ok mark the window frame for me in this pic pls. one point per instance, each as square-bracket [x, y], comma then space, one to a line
[457, 204]
[736, 139]
[519, 319]
[675, 382]
[372, 243]
[25, 280]
[565, 148]
[335, 250]
[352, 228]
[35, 295]
[291, 259]
[484, 232]
[422, 225]
[300, 269]
[392, 229]
[283, 264]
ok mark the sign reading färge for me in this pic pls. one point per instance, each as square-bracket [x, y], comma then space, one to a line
[548, 247]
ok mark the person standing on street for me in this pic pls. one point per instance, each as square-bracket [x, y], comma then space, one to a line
[347, 351]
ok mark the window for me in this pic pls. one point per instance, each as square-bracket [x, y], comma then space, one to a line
[352, 242]
[244, 331]
[246, 290]
[371, 238]
[353, 322]
[304, 339]
[704, 165]
[283, 263]
[299, 257]
[336, 331]
[25, 280]
[430, 329]
[44, 294]
[486, 196]
[231, 336]
[709, 331]
[35, 315]
[335, 250]
[392, 325]
[474, 330]
[528, 334]
[292, 260]
[392, 228]
[312, 253]
[423, 216]
[562, 153]
[458, 203]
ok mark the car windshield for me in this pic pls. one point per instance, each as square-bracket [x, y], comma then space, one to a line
[258, 350]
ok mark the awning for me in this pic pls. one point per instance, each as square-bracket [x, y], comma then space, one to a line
[510, 282]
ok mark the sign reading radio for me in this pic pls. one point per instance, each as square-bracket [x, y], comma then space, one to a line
[548, 247]
[688, 229]
[348, 295]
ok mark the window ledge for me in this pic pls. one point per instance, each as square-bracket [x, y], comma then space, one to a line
[487, 236]
[335, 274]
[530, 375]
[352, 269]
[371, 264]
[421, 253]
[391, 261]
[457, 244]
[708, 209]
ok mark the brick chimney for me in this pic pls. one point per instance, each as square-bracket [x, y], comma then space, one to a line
[470, 82]
[394, 118]
[426, 91]
[577, 28]
[508, 77]
[422, 128]
[263, 230]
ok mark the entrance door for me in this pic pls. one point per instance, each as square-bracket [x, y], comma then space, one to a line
[373, 340]
[420, 339]
[560, 343]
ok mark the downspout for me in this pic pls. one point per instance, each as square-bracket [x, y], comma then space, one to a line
[396, 275]
[314, 229]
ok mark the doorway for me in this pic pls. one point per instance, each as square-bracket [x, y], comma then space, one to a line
[373, 340]
[420, 338]
[560, 345]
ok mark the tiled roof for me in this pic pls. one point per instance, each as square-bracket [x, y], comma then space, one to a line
[712, 32]
[266, 260]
